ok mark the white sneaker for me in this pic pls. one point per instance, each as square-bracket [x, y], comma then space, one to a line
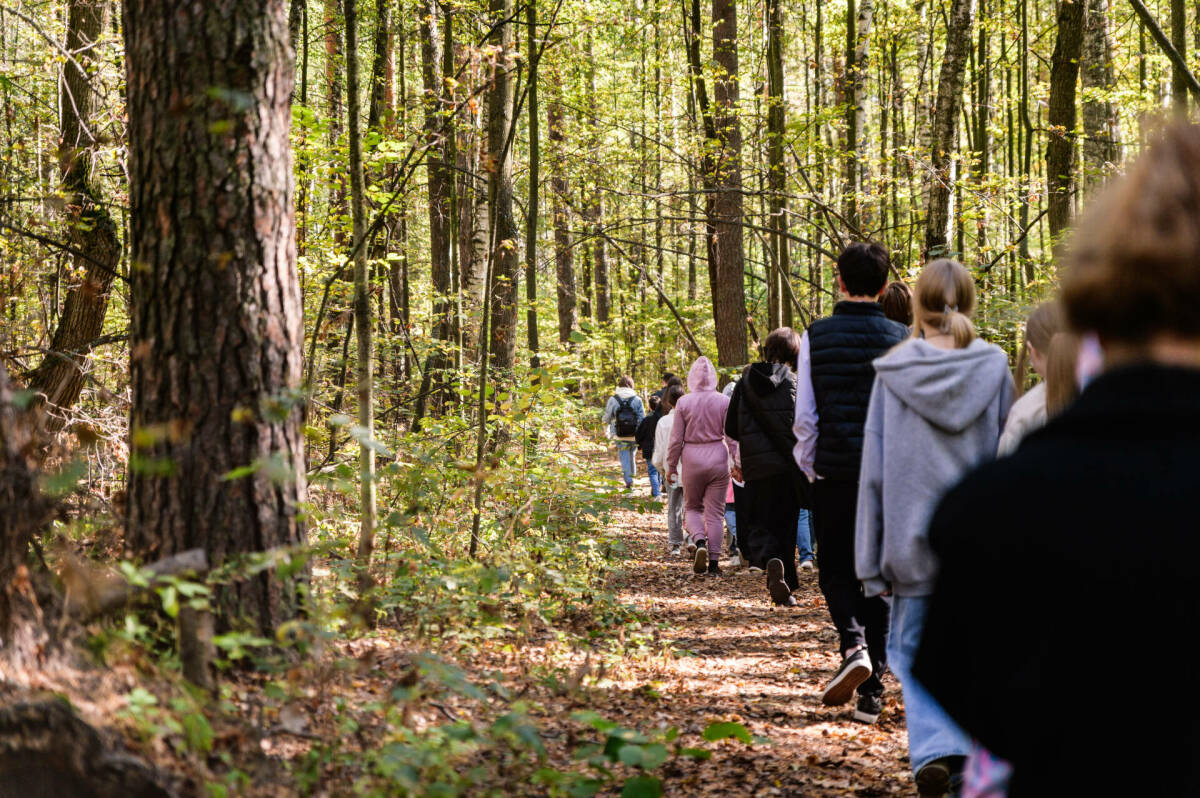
[807, 565]
[675, 551]
[754, 569]
[734, 561]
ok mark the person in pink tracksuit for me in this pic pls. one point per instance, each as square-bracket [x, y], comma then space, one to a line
[698, 442]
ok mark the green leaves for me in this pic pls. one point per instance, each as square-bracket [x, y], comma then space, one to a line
[724, 730]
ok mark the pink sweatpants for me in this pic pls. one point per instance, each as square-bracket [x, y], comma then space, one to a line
[705, 481]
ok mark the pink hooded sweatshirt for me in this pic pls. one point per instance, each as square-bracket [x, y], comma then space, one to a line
[700, 415]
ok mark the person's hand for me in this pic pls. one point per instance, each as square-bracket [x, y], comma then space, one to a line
[670, 477]
[736, 473]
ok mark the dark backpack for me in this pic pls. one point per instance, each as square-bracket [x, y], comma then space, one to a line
[626, 418]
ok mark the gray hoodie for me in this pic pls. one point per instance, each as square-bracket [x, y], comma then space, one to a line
[935, 414]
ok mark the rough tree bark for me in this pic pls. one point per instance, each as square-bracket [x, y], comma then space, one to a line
[1179, 83]
[531, 216]
[362, 303]
[560, 188]
[91, 231]
[780, 311]
[858, 48]
[1101, 122]
[503, 342]
[944, 137]
[216, 315]
[725, 201]
[595, 203]
[1060, 117]
[440, 176]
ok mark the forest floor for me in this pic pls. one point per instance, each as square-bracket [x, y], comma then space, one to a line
[737, 658]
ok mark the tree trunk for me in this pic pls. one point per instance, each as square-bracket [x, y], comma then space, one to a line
[91, 231]
[944, 140]
[858, 48]
[1179, 83]
[362, 303]
[1060, 117]
[216, 329]
[1101, 122]
[503, 343]
[595, 204]
[334, 61]
[531, 223]
[560, 187]
[440, 182]
[725, 207]
[780, 309]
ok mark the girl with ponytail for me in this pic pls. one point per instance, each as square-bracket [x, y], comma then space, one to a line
[937, 408]
[1052, 351]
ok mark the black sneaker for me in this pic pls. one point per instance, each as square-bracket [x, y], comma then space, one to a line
[868, 709]
[855, 670]
[700, 562]
[713, 568]
[778, 588]
[940, 777]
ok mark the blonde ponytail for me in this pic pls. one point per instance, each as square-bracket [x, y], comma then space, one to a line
[944, 298]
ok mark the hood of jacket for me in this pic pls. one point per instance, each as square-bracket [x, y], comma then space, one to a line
[949, 388]
[625, 393]
[702, 376]
[764, 377]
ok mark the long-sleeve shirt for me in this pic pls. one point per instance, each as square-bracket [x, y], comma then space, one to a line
[804, 422]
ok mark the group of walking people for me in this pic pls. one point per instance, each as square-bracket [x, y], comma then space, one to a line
[1021, 562]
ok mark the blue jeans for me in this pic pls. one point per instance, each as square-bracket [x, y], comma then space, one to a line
[626, 451]
[931, 733]
[804, 550]
[655, 480]
[731, 522]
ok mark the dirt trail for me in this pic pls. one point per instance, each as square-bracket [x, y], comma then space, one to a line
[750, 662]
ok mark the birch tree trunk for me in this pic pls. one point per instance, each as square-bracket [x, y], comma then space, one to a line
[1101, 123]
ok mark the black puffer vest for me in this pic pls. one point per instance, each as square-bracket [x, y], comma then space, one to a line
[841, 348]
[775, 386]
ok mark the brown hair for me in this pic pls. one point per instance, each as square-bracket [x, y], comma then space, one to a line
[625, 381]
[1062, 386]
[673, 395]
[945, 298]
[1133, 268]
[782, 346]
[896, 302]
[1045, 321]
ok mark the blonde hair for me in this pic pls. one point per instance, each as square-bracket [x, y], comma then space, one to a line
[944, 298]
[1044, 322]
[1062, 386]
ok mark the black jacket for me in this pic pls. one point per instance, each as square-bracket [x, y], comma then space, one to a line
[645, 433]
[841, 348]
[1057, 632]
[775, 386]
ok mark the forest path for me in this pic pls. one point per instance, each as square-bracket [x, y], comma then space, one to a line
[739, 658]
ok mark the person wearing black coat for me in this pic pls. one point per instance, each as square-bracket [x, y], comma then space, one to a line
[1057, 630]
[760, 420]
[645, 441]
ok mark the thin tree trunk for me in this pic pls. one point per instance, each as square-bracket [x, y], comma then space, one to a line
[725, 206]
[91, 231]
[1179, 84]
[858, 42]
[531, 223]
[560, 188]
[1060, 116]
[780, 309]
[945, 126]
[1101, 122]
[216, 328]
[503, 343]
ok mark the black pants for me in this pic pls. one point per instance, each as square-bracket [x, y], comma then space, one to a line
[744, 546]
[860, 621]
[772, 511]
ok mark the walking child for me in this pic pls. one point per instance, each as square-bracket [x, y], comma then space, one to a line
[645, 442]
[672, 487]
[937, 408]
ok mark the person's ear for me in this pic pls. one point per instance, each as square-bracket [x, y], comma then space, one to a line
[842, 285]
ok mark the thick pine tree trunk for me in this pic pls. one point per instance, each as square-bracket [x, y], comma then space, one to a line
[216, 316]
[944, 137]
[1060, 116]
[725, 217]
[91, 231]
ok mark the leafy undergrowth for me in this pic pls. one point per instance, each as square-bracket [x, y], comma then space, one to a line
[571, 657]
